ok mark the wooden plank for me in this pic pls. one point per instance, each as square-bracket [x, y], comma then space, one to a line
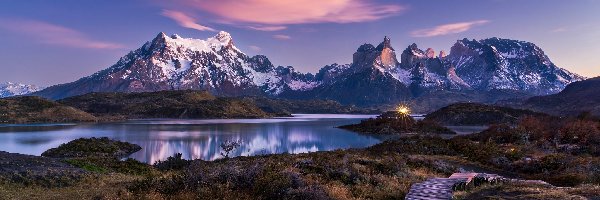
[443, 188]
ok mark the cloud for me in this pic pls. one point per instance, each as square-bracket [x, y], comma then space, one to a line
[447, 29]
[254, 48]
[283, 12]
[267, 28]
[55, 34]
[558, 30]
[185, 20]
[282, 37]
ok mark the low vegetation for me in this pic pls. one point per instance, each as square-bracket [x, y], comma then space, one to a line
[475, 114]
[26, 109]
[177, 104]
[560, 151]
[392, 122]
[530, 191]
[93, 147]
[315, 106]
[187, 104]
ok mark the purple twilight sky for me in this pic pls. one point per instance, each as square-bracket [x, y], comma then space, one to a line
[50, 42]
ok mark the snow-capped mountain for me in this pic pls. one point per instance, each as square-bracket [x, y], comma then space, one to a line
[491, 66]
[496, 63]
[176, 63]
[13, 89]
[376, 76]
[369, 80]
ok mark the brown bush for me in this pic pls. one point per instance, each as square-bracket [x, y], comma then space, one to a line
[582, 132]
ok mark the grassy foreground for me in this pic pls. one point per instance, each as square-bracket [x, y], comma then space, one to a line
[384, 171]
[561, 152]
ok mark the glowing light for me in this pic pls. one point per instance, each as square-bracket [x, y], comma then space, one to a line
[403, 109]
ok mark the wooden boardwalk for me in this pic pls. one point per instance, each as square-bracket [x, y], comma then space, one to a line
[443, 188]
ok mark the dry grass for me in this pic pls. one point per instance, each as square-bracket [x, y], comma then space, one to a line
[106, 186]
[530, 191]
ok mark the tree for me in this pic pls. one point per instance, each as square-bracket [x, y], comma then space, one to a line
[228, 146]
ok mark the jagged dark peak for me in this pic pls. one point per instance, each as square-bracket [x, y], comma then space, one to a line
[161, 35]
[387, 43]
[498, 43]
[158, 42]
[261, 63]
[366, 48]
[413, 49]
[430, 53]
[286, 69]
[332, 70]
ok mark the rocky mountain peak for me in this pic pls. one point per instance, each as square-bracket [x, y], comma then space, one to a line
[386, 44]
[497, 63]
[382, 57]
[430, 53]
[442, 54]
[224, 37]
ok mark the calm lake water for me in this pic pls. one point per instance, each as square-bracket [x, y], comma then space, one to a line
[198, 139]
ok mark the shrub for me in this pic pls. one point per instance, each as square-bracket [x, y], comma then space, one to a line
[96, 147]
[580, 132]
[175, 162]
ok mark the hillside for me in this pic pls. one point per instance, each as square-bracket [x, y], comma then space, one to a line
[473, 114]
[26, 109]
[578, 97]
[164, 104]
[316, 106]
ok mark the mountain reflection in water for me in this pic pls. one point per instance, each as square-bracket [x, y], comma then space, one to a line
[201, 139]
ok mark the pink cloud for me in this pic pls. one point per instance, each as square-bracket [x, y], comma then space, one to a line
[282, 37]
[267, 28]
[54, 34]
[185, 20]
[281, 12]
[254, 48]
[447, 29]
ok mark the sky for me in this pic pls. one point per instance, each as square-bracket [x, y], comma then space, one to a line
[51, 42]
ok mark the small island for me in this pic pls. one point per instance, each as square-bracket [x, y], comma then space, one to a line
[397, 122]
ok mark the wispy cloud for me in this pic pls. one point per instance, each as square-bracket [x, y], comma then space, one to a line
[48, 33]
[185, 20]
[558, 30]
[281, 12]
[447, 29]
[267, 28]
[254, 48]
[282, 37]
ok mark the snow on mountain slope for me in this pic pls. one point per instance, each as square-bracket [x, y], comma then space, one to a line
[496, 63]
[375, 76]
[175, 63]
[13, 89]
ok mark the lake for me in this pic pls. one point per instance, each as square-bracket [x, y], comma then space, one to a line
[198, 139]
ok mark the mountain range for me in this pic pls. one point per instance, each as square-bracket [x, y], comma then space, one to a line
[375, 76]
[8, 89]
